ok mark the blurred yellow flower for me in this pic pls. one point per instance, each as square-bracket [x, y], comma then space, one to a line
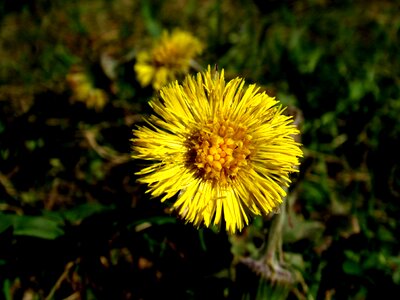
[225, 150]
[170, 57]
[84, 91]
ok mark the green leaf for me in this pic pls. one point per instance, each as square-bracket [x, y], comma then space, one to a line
[7, 289]
[385, 235]
[6, 221]
[396, 277]
[352, 268]
[37, 226]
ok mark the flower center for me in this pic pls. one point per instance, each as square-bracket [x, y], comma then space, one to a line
[220, 149]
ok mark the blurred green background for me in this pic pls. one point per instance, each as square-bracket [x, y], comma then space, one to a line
[74, 224]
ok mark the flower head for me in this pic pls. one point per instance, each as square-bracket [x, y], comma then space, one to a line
[84, 91]
[171, 56]
[224, 149]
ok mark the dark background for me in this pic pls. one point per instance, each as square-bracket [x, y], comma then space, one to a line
[74, 224]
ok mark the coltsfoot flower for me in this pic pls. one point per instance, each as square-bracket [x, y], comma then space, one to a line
[84, 91]
[170, 57]
[222, 151]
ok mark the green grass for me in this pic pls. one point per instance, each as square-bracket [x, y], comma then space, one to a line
[74, 222]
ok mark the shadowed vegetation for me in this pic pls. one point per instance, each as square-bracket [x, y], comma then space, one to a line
[75, 224]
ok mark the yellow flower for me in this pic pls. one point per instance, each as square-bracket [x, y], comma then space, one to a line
[225, 150]
[84, 91]
[170, 57]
